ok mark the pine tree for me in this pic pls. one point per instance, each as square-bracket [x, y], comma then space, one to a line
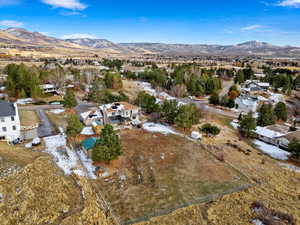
[74, 125]
[266, 115]
[280, 111]
[247, 125]
[108, 146]
[70, 99]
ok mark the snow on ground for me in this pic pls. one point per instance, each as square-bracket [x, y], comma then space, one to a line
[272, 150]
[87, 131]
[257, 222]
[87, 164]
[158, 128]
[67, 159]
[24, 101]
[57, 111]
[290, 167]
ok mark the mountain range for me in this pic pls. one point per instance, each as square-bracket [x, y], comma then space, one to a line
[24, 40]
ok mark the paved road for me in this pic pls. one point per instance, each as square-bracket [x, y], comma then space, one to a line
[206, 108]
[45, 128]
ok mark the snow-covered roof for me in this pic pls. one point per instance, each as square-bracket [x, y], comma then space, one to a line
[263, 131]
[47, 86]
[93, 113]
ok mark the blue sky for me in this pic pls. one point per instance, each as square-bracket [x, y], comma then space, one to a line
[169, 21]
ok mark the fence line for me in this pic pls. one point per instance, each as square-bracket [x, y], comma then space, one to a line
[199, 200]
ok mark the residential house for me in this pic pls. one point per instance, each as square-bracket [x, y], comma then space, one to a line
[87, 118]
[286, 139]
[246, 103]
[119, 112]
[10, 128]
[268, 135]
[251, 86]
[49, 88]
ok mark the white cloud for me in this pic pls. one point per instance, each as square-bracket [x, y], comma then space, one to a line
[290, 3]
[67, 4]
[11, 23]
[77, 36]
[252, 27]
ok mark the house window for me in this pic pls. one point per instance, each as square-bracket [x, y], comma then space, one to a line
[14, 127]
[2, 119]
[12, 118]
[2, 137]
[4, 129]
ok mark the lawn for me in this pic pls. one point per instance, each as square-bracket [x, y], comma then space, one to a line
[158, 172]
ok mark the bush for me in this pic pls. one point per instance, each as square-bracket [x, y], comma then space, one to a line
[210, 129]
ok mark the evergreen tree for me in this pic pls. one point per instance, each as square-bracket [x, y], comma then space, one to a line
[108, 146]
[74, 125]
[70, 99]
[188, 115]
[214, 99]
[280, 111]
[113, 80]
[170, 110]
[147, 102]
[247, 125]
[294, 148]
[266, 115]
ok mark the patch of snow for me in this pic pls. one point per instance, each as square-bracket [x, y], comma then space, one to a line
[234, 124]
[290, 167]
[158, 128]
[88, 164]
[57, 111]
[24, 101]
[68, 160]
[196, 135]
[87, 131]
[257, 222]
[79, 172]
[272, 150]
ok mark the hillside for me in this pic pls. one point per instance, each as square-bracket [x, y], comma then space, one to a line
[25, 41]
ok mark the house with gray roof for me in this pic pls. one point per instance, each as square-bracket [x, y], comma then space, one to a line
[10, 127]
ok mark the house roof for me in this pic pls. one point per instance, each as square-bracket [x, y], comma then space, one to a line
[266, 132]
[7, 109]
[293, 135]
[89, 143]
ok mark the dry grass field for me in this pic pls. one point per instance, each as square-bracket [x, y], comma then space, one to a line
[158, 172]
[39, 193]
[279, 189]
[28, 117]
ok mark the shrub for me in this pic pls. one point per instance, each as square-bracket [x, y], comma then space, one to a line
[210, 129]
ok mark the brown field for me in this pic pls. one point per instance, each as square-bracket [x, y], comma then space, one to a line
[28, 117]
[164, 172]
[39, 193]
[279, 188]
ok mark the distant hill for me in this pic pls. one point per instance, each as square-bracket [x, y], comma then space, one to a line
[15, 38]
[242, 49]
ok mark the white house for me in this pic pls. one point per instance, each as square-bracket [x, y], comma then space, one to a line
[49, 88]
[254, 86]
[119, 111]
[247, 103]
[10, 127]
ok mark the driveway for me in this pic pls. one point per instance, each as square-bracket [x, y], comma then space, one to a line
[45, 128]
